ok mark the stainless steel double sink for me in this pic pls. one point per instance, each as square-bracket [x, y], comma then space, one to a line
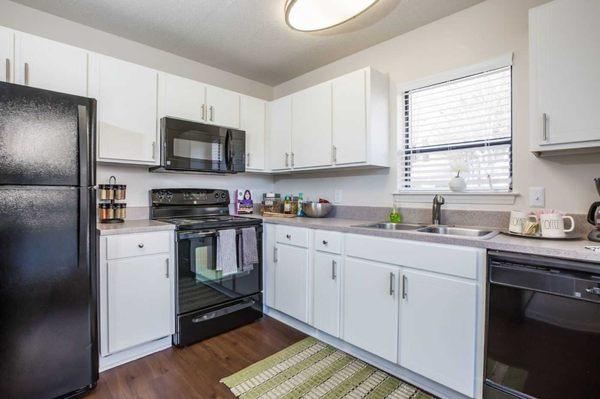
[473, 232]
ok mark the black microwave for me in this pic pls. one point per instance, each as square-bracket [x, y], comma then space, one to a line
[188, 146]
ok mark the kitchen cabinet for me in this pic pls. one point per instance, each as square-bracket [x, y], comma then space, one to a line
[223, 107]
[51, 65]
[280, 133]
[438, 328]
[7, 56]
[311, 127]
[183, 98]
[370, 307]
[139, 301]
[127, 116]
[564, 77]
[253, 122]
[291, 280]
[326, 293]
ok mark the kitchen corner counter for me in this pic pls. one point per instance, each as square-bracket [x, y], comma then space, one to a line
[132, 226]
[567, 249]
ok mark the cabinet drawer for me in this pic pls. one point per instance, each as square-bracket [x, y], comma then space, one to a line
[328, 241]
[122, 246]
[292, 235]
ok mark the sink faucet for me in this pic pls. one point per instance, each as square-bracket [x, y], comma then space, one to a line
[436, 212]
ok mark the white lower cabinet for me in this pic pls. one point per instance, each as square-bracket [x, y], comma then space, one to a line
[291, 281]
[136, 295]
[438, 328]
[326, 293]
[370, 311]
[139, 305]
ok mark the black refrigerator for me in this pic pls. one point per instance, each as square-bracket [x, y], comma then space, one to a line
[48, 324]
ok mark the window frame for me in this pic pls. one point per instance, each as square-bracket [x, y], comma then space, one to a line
[402, 186]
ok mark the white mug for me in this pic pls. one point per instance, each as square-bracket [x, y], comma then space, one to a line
[517, 219]
[552, 225]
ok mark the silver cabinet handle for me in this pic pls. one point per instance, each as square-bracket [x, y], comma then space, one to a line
[404, 286]
[203, 117]
[287, 159]
[26, 74]
[275, 252]
[167, 272]
[248, 159]
[153, 150]
[334, 153]
[292, 159]
[212, 113]
[141, 245]
[333, 267]
[545, 126]
[8, 70]
[391, 284]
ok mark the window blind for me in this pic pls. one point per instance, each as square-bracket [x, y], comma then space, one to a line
[463, 124]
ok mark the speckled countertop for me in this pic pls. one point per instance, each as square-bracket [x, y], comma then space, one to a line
[132, 226]
[567, 249]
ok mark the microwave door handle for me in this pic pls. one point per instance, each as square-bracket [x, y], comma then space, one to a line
[228, 151]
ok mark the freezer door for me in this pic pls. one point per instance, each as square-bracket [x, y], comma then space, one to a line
[47, 291]
[46, 138]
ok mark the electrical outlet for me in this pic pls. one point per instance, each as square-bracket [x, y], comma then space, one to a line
[337, 197]
[537, 197]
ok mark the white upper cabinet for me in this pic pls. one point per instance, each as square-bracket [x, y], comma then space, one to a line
[127, 111]
[183, 98]
[7, 57]
[223, 107]
[50, 65]
[326, 293]
[438, 328]
[280, 133]
[349, 120]
[253, 122]
[564, 75]
[370, 310]
[311, 127]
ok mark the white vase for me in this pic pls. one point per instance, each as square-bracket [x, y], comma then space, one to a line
[457, 184]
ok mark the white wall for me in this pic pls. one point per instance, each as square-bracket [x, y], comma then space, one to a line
[138, 179]
[471, 36]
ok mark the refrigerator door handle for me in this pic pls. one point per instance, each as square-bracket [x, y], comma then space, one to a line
[84, 139]
[84, 227]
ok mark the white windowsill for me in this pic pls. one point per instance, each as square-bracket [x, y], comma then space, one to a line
[467, 197]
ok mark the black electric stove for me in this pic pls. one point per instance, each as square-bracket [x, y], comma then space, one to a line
[209, 301]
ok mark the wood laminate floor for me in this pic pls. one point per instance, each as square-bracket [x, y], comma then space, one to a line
[195, 371]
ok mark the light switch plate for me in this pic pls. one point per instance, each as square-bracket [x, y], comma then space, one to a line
[337, 197]
[537, 197]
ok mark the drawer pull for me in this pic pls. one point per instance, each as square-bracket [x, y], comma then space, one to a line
[325, 242]
[288, 236]
[141, 245]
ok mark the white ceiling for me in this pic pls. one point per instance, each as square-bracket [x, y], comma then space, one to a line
[247, 37]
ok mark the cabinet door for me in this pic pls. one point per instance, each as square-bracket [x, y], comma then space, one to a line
[565, 72]
[50, 65]
[280, 133]
[438, 329]
[252, 121]
[291, 281]
[326, 300]
[184, 98]
[370, 307]
[139, 301]
[311, 127]
[7, 60]
[223, 107]
[349, 120]
[127, 111]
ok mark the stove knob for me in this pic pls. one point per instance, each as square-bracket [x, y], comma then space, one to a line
[223, 195]
[217, 195]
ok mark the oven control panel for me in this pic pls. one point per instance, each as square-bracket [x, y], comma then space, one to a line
[189, 196]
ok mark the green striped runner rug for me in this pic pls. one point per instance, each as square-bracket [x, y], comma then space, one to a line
[312, 369]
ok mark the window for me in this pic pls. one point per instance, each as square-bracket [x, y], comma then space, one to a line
[461, 126]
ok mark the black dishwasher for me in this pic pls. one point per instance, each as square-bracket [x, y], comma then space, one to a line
[543, 328]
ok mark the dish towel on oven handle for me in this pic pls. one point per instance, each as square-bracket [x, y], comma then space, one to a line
[226, 252]
[249, 248]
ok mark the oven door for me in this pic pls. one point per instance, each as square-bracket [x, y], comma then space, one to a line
[201, 284]
[192, 146]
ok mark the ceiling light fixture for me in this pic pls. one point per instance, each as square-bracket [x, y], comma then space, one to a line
[314, 15]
